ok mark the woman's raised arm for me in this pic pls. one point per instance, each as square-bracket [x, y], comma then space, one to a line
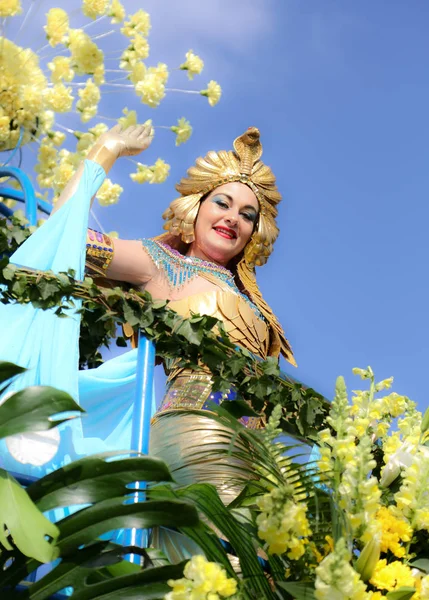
[108, 148]
[124, 260]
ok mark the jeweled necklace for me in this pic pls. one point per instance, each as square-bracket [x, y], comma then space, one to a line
[180, 269]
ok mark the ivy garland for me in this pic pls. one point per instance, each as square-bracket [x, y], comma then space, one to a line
[189, 341]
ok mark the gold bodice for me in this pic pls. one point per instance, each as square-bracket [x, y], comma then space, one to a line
[241, 322]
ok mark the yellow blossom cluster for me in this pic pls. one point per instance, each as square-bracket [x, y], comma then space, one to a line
[394, 530]
[193, 64]
[87, 139]
[117, 12]
[392, 576]
[10, 8]
[57, 26]
[22, 95]
[129, 118]
[109, 193]
[89, 97]
[336, 578]
[139, 22]
[412, 499]
[283, 522]
[183, 131]
[213, 92]
[61, 69]
[29, 102]
[203, 580]
[157, 173]
[86, 57]
[151, 87]
[95, 8]
[59, 98]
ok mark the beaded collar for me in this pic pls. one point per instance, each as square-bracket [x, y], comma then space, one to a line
[180, 269]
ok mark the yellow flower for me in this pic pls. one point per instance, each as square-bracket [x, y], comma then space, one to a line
[94, 8]
[109, 193]
[283, 523]
[393, 531]
[4, 128]
[57, 26]
[62, 175]
[391, 576]
[138, 72]
[56, 137]
[202, 580]
[336, 578]
[151, 90]
[22, 94]
[10, 8]
[59, 98]
[117, 12]
[183, 131]
[160, 171]
[99, 74]
[139, 22]
[89, 99]
[86, 55]
[160, 71]
[157, 173]
[213, 92]
[363, 373]
[193, 64]
[61, 69]
[137, 50]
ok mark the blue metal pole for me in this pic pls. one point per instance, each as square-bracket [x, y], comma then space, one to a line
[141, 429]
[27, 189]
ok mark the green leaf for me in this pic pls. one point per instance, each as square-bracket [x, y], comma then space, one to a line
[79, 572]
[86, 525]
[36, 408]
[24, 522]
[239, 408]
[93, 479]
[421, 563]
[9, 370]
[299, 591]
[402, 593]
[190, 331]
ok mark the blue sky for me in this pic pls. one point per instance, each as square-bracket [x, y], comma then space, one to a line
[339, 90]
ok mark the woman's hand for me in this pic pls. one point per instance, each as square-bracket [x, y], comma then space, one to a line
[127, 142]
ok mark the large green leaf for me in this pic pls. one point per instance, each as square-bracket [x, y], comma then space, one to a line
[298, 591]
[24, 523]
[95, 478]
[9, 370]
[87, 524]
[35, 408]
[80, 571]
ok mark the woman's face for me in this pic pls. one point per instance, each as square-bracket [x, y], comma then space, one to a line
[225, 223]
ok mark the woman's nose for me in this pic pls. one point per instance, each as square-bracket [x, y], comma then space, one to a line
[231, 218]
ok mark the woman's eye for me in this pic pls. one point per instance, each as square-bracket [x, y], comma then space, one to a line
[222, 203]
[249, 217]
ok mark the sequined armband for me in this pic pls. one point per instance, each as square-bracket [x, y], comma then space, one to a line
[99, 252]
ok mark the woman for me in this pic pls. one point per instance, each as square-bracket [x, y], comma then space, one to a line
[221, 226]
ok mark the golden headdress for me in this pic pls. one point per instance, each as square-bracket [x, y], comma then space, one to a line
[215, 169]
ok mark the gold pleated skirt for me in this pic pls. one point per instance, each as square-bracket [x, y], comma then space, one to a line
[196, 450]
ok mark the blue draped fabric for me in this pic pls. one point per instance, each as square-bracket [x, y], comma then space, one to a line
[48, 347]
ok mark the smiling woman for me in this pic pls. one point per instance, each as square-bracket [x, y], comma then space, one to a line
[220, 227]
